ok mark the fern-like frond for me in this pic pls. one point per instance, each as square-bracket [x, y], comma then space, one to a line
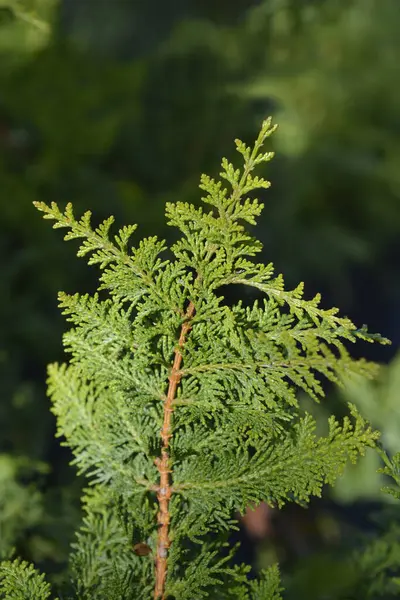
[268, 586]
[184, 407]
[20, 581]
[104, 564]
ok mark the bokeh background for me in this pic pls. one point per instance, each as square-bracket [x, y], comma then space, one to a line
[118, 106]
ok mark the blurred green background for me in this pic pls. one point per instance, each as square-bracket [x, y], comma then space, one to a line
[118, 106]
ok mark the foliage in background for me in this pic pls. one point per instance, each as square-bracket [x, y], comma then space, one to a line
[21, 505]
[25, 27]
[365, 565]
[379, 402]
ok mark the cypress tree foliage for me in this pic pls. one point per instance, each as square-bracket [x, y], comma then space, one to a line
[20, 581]
[181, 409]
[377, 563]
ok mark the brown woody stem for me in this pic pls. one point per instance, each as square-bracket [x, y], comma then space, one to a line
[163, 465]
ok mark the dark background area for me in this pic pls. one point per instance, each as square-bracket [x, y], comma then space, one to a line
[118, 106]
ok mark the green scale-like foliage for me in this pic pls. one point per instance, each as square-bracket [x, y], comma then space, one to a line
[237, 434]
[20, 581]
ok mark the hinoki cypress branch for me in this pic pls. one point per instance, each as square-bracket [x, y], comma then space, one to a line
[181, 408]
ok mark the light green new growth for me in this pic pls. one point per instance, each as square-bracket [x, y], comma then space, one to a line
[20, 581]
[181, 408]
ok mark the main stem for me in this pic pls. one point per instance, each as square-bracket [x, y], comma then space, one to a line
[164, 466]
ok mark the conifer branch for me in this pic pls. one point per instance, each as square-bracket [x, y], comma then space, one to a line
[163, 463]
[239, 436]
